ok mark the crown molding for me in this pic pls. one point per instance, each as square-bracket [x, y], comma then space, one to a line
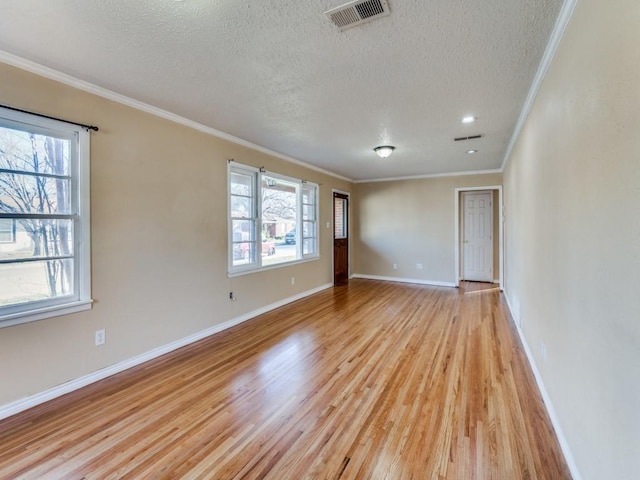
[556, 35]
[430, 175]
[558, 30]
[74, 82]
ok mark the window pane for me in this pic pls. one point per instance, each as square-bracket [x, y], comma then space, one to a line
[242, 184]
[279, 212]
[244, 253]
[279, 200]
[40, 238]
[30, 152]
[309, 195]
[340, 216]
[243, 242]
[308, 246]
[243, 230]
[31, 194]
[32, 281]
[308, 229]
[274, 254]
[241, 207]
[308, 212]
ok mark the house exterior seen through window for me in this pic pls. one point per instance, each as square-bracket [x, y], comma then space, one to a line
[272, 219]
[7, 230]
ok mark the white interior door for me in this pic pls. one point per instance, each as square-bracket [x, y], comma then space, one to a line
[477, 261]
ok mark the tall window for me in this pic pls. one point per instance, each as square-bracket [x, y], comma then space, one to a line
[44, 197]
[309, 219]
[272, 219]
[243, 215]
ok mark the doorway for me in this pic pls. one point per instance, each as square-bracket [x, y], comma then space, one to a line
[496, 263]
[477, 236]
[340, 238]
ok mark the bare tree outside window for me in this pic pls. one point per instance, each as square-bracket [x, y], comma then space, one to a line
[272, 219]
[279, 201]
[279, 210]
[35, 188]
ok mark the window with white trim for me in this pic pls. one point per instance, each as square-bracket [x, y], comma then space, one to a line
[44, 197]
[309, 219]
[272, 219]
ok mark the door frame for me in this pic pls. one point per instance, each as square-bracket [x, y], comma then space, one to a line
[349, 222]
[491, 188]
[463, 234]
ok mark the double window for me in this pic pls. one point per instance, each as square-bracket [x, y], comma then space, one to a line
[273, 219]
[44, 218]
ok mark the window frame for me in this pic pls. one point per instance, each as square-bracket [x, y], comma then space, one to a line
[316, 212]
[79, 172]
[257, 266]
[255, 217]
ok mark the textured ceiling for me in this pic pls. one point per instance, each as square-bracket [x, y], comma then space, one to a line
[277, 73]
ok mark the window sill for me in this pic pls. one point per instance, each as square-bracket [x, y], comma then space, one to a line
[45, 312]
[248, 271]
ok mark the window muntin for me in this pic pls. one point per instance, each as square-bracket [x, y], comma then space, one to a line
[269, 237]
[44, 181]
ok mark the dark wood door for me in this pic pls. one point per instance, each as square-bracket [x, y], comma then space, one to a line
[340, 239]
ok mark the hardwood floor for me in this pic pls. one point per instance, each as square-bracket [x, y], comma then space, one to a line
[374, 380]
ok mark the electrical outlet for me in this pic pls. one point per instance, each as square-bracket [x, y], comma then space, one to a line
[293, 280]
[328, 224]
[543, 351]
[418, 266]
[395, 266]
[101, 337]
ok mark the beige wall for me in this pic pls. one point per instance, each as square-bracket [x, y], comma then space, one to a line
[408, 222]
[572, 197]
[159, 236]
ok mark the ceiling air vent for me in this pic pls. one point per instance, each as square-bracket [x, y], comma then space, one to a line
[473, 137]
[354, 13]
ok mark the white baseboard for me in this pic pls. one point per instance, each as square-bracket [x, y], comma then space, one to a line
[564, 445]
[419, 281]
[72, 385]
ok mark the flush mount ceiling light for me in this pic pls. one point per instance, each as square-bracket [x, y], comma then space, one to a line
[472, 151]
[383, 151]
[468, 119]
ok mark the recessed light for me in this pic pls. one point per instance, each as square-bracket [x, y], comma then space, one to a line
[468, 119]
[472, 151]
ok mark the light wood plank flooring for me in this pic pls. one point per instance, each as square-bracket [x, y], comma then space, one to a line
[375, 380]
